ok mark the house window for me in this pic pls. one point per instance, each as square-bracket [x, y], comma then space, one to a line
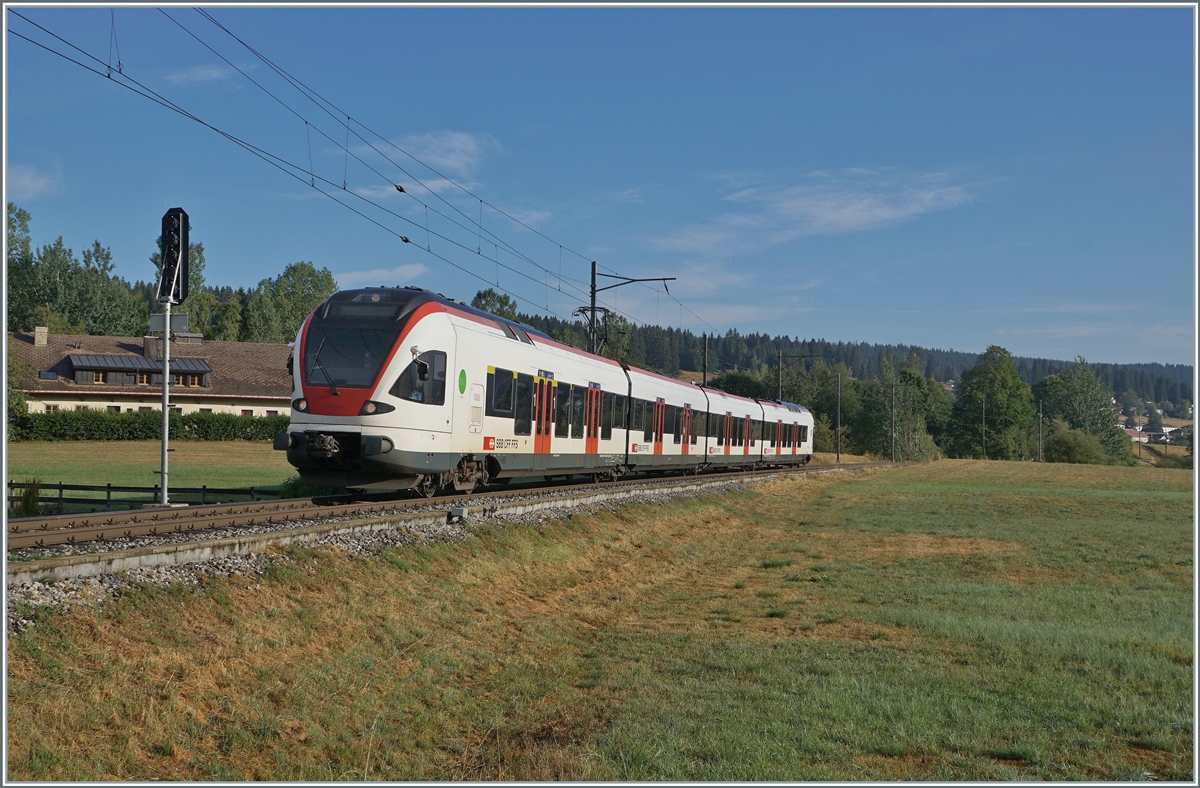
[248, 412]
[99, 377]
[114, 408]
[143, 378]
[81, 407]
[51, 408]
[191, 380]
[206, 410]
[272, 413]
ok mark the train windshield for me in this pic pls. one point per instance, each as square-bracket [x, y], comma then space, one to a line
[349, 357]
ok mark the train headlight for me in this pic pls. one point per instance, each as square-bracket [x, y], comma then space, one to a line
[373, 408]
[300, 405]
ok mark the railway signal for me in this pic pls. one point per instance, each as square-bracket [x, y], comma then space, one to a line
[173, 278]
[172, 289]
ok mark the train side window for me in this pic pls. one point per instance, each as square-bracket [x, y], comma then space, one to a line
[648, 421]
[606, 416]
[720, 429]
[562, 424]
[674, 415]
[619, 416]
[524, 410]
[636, 421]
[500, 393]
[803, 433]
[423, 380]
[578, 394]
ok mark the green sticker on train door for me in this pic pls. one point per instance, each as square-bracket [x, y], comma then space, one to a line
[462, 381]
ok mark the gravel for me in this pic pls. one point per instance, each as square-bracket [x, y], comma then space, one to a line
[24, 600]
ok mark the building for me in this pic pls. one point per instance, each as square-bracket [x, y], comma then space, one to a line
[125, 374]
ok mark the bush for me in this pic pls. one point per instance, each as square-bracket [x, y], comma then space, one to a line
[1175, 461]
[143, 425]
[1067, 445]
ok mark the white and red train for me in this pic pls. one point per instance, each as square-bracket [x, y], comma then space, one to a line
[398, 388]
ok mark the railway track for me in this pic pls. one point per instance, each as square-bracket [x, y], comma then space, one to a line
[108, 541]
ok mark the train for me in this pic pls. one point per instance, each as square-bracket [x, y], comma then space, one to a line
[401, 388]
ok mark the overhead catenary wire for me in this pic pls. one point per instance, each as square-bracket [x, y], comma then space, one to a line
[321, 102]
[306, 91]
[283, 165]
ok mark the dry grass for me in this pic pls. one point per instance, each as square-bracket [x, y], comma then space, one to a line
[529, 654]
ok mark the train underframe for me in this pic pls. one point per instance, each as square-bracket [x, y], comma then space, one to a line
[364, 462]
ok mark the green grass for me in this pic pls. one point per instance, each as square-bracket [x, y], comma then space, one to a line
[952, 621]
[133, 463]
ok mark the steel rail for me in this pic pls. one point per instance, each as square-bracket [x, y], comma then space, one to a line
[32, 532]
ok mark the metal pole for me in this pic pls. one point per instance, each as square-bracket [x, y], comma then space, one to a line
[706, 359]
[781, 375]
[893, 421]
[839, 417]
[592, 322]
[983, 427]
[1040, 458]
[166, 396]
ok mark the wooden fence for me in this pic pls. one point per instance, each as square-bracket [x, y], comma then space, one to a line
[51, 496]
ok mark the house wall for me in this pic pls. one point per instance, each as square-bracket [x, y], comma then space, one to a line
[42, 401]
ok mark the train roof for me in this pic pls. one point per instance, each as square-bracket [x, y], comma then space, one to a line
[409, 298]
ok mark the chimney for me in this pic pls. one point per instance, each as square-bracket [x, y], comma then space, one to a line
[150, 347]
[39, 336]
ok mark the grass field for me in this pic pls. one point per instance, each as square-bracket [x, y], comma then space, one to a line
[960, 620]
[133, 463]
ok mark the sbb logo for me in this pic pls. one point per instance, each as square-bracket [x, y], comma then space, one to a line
[489, 444]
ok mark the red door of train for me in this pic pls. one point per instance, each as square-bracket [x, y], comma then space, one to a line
[728, 431]
[746, 435]
[660, 416]
[591, 411]
[543, 414]
[778, 442]
[685, 429]
[795, 436]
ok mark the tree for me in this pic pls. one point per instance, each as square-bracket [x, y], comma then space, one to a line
[494, 303]
[300, 289]
[18, 377]
[262, 321]
[1082, 401]
[743, 384]
[992, 397]
[18, 260]
[1154, 421]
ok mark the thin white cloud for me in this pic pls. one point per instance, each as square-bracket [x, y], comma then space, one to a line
[854, 200]
[455, 154]
[400, 275]
[23, 182]
[198, 74]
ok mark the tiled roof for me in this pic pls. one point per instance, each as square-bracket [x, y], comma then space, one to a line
[247, 369]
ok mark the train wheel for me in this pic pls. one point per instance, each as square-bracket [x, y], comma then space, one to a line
[428, 487]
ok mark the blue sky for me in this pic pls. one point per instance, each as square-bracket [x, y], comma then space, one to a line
[950, 178]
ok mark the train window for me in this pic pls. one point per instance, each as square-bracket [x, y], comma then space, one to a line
[720, 420]
[648, 421]
[423, 380]
[606, 416]
[803, 433]
[577, 414]
[698, 425]
[524, 410]
[674, 417]
[638, 407]
[346, 357]
[562, 425]
[500, 394]
[620, 419]
[768, 433]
